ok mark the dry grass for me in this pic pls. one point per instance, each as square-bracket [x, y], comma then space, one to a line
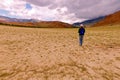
[55, 54]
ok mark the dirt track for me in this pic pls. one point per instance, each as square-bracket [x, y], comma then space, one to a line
[54, 54]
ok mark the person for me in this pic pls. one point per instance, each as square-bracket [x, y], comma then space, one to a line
[81, 32]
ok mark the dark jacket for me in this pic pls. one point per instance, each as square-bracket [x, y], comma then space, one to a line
[81, 31]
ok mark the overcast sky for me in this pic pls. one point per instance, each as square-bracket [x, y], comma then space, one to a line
[58, 10]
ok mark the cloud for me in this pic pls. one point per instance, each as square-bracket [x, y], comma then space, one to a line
[40, 2]
[82, 9]
[62, 10]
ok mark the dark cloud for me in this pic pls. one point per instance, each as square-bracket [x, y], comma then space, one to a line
[42, 3]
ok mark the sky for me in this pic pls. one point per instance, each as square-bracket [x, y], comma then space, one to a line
[69, 11]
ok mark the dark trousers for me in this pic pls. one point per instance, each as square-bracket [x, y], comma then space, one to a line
[81, 39]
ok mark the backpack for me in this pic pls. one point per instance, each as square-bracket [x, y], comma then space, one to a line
[81, 31]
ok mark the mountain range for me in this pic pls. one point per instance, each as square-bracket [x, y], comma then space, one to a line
[100, 21]
[111, 19]
[7, 19]
[33, 23]
[89, 22]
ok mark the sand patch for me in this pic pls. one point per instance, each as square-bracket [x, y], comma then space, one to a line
[54, 54]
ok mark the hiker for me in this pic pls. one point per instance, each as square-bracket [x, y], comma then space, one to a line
[81, 32]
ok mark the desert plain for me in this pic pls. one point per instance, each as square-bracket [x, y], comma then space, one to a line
[55, 54]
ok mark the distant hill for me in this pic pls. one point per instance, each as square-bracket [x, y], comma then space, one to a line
[110, 19]
[7, 19]
[33, 23]
[89, 22]
[52, 24]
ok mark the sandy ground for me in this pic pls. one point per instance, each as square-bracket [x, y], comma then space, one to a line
[55, 54]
